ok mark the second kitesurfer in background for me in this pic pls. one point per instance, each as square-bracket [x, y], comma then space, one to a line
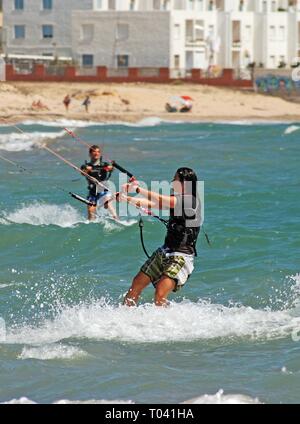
[102, 172]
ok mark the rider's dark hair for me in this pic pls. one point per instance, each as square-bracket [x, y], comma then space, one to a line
[189, 175]
[94, 148]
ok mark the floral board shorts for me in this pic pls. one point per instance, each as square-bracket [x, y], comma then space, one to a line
[174, 265]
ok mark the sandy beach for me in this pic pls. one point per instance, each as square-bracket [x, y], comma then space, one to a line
[134, 102]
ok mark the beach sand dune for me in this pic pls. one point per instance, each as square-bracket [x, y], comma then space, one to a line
[133, 102]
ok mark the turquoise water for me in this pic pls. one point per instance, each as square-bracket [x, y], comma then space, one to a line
[62, 280]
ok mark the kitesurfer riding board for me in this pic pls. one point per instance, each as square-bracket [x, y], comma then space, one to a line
[170, 267]
[101, 171]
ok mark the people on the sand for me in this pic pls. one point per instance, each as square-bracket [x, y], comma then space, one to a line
[170, 266]
[187, 107]
[179, 104]
[67, 102]
[170, 108]
[87, 103]
[98, 195]
[39, 106]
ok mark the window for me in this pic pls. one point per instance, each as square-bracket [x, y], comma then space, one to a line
[272, 32]
[47, 4]
[199, 5]
[211, 29]
[19, 4]
[88, 60]
[272, 62]
[166, 5]
[98, 5]
[132, 5]
[177, 32]
[264, 6]
[281, 33]
[122, 32]
[191, 4]
[179, 5]
[19, 32]
[47, 31]
[123, 61]
[111, 4]
[248, 33]
[87, 32]
[156, 4]
[199, 31]
[177, 61]
[282, 61]
[274, 6]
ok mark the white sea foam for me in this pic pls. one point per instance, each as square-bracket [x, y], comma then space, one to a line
[51, 352]
[26, 401]
[16, 142]
[221, 399]
[181, 322]
[145, 122]
[65, 216]
[218, 399]
[62, 123]
[71, 123]
[291, 129]
[42, 214]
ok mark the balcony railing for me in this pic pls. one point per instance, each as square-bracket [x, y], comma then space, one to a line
[190, 41]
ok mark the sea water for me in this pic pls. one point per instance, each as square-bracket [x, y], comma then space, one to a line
[232, 334]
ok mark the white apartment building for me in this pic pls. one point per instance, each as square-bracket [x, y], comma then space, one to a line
[179, 34]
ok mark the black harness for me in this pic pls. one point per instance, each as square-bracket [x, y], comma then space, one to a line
[99, 173]
[184, 233]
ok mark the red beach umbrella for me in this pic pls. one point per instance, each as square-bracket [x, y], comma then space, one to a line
[186, 98]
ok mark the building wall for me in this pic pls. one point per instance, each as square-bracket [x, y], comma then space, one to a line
[160, 31]
[147, 41]
[1, 31]
[33, 17]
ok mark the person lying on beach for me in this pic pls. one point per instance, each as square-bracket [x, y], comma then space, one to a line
[102, 172]
[170, 267]
[38, 105]
[170, 108]
[188, 106]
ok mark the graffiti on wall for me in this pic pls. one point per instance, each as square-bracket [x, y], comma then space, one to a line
[277, 84]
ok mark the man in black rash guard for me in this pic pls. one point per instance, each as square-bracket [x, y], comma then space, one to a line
[171, 265]
[101, 171]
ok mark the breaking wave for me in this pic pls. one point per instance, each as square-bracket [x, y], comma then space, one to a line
[38, 214]
[291, 129]
[186, 321]
[16, 142]
[218, 399]
[52, 352]
[64, 216]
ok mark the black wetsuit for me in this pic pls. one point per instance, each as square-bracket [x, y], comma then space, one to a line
[99, 173]
[184, 225]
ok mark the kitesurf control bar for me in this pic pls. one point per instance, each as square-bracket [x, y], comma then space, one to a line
[123, 170]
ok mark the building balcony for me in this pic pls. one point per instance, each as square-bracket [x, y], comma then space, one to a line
[236, 44]
[190, 42]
